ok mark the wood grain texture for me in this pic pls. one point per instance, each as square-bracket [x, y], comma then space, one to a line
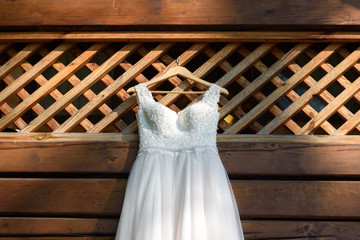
[255, 198]
[241, 156]
[305, 98]
[187, 12]
[331, 108]
[18, 59]
[88, 208]
[253, 229]
[57, 226]
[34, 71]
[23, 94]
[50, 85]
[183, 36]
[116, 86]
[60, 238]
[85, 84]
[258, 229]
[291, 83]
[73, 197]
[292, 95]
[131, 102]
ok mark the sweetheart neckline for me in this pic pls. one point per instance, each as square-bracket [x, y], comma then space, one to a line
[188, 106]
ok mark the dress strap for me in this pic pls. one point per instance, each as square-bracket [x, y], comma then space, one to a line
[143, 93]
[212, 95]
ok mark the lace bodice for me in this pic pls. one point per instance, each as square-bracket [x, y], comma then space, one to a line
[162, 128]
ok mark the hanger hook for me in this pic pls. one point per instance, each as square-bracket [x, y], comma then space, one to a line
[178, 61]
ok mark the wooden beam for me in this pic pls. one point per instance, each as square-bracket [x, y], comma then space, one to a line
[126, 138]
[63, 238]
[183, 36]
[57, 226]
[253, 229]
[186, 12]
[255, 198]
[242, 156]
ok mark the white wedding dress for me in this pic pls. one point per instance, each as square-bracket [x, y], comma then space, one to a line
[178, 188]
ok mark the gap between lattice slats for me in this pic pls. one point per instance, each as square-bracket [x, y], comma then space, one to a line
[159, 66]
[275, 110]
[331, 108]
[201, 72]
[122, 94]
[238, 112]
[41, 80]
[89, 94]
[261, 81]
[352, 123]
[82, 87]
[282, 90]
[20, 123]
[18, 59]
[23, 94]
[292, 95]
[325, 95]
[337, 103]
[26, 78]
[74, 80]
[317, 88]
[238, 70]
[49, 86]
[114, 87]
[34, 71]
[130, 102]
[313, 90]
[4, 46]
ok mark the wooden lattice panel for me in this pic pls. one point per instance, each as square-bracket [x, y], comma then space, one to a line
[275, 87]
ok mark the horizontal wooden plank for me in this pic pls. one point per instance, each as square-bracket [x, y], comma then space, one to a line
[116, 137]
[186, 12]
[57, 226]
[241, 155]
[61, 196]
[257, 229]
[60, 238]
[256, 199]
[183, 36]
[253, 229]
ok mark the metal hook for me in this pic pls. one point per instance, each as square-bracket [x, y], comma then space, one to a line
[178, 61]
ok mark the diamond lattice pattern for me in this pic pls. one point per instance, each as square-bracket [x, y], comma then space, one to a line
[275, 88]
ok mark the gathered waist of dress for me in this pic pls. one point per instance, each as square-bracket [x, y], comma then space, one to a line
[179, 149]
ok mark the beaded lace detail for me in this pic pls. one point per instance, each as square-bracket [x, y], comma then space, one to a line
[162, 128]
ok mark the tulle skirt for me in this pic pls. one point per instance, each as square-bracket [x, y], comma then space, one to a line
[182, 195]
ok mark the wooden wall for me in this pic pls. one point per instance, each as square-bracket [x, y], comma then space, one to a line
[288, 131]
[71, 186]
[230, 14]
[279, 82]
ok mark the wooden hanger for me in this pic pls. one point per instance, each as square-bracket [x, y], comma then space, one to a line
[178, 71]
